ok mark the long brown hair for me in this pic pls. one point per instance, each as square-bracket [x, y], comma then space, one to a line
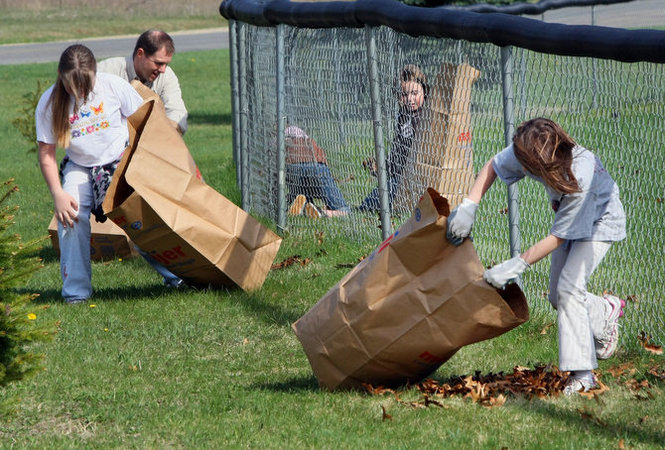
[546, 150]
[76, 77]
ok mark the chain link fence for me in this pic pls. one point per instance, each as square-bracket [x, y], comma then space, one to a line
[334, 95]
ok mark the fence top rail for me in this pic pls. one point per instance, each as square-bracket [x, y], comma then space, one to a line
[496, 28]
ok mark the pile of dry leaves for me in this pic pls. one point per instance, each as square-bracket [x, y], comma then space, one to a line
[544, 381]
[491, 389]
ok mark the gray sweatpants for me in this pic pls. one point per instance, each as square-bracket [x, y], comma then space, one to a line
[580, 314]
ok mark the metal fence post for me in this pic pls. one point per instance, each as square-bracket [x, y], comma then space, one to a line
[338, 82]
[375, 93]
[244, 151]
[509, 129]
[235, 97]
[281, 126]
[594, 65]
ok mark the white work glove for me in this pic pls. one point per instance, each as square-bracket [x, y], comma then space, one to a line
[460, 221]
[499, 275]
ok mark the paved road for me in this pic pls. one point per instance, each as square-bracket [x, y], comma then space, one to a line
[209, 39]
[636, 14]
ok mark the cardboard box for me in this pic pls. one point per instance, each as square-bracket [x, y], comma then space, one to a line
[107, 240]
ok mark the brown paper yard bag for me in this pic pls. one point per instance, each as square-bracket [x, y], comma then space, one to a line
[407, 308]
[107, 240]
[198, 234]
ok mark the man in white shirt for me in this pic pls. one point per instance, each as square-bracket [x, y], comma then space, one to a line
[149, 63]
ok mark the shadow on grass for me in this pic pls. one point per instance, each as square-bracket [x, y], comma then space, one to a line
[119, 294]
[195, 118]
[611, 429]
[47, 254]
[299, 384]
[268, 312]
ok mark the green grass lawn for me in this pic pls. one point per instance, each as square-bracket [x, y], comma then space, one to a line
[142, 366]
[57, 22]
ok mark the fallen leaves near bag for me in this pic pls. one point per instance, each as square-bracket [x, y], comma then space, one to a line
[487, 390]
[590, 416]
[298, 260]
[639, 386]
[350, 265]
[491, 390]
[291, 260]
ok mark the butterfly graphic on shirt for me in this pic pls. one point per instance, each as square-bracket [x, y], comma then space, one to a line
[99, 109]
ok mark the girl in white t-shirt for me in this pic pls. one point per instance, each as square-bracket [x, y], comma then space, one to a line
[588, 217]
[85, 113]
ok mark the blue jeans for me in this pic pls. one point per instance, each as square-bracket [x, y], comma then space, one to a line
[169, 278]
[75, 268]
[314, 180]
[371, 202]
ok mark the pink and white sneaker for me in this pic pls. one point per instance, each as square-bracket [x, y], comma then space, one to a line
[606, 343]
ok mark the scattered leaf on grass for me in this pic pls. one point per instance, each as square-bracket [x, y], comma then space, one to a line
[625, 369]
[633, 298]
[657, 372]
[590, 416]
[644, 342]
[634, 385]
[428, 401]
[546, 327]
[639, 389]
[596, 392]
[380, 390]
[499, 400]
[291, 260]
[385, 416]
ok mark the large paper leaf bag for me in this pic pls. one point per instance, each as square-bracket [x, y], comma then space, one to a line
[198, 234]
[407, 308]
